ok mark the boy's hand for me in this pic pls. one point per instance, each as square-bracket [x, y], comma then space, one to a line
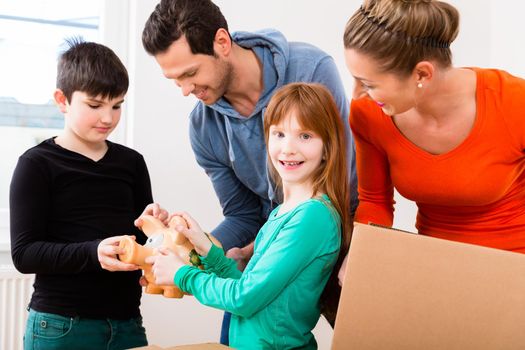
[143, 281]
[154, 209]
[107, 251]
[241, 255]
[195, 234]
[165, 265]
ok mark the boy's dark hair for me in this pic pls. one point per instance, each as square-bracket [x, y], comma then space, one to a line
[197, 20]
[91, 68]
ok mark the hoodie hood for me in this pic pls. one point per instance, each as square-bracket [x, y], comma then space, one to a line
[243, 132]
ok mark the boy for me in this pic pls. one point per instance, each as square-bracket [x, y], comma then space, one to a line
[70, 195]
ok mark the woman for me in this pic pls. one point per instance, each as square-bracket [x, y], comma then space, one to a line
[450, 139]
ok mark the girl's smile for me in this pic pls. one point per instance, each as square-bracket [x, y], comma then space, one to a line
[295, 153]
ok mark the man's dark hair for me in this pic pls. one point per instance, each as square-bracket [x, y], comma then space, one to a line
[91, 68]
[197, 20]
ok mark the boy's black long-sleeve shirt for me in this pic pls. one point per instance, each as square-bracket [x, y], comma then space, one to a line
[62, 204]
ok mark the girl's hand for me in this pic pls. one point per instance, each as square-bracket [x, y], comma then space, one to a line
[154, 209]
[164, 266]
[195, 234]
[107, 251]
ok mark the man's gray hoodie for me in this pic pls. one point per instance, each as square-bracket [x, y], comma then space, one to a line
[231, 147]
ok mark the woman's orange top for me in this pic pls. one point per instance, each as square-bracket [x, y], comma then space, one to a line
[474, 193]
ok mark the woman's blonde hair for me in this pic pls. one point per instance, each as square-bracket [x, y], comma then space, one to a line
[401, 33]
[316, 110]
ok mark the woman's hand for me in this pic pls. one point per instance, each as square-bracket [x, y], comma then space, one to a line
[342, 271]
[154, 209]
[195, 234]
[165, 265]
[107, 252]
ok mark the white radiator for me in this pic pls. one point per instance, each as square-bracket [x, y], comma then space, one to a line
[15, 292]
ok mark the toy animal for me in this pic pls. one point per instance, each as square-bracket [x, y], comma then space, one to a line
[159, 235]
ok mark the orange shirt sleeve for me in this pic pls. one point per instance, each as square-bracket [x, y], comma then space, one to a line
[375, 188]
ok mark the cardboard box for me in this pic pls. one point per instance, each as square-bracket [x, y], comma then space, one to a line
[408, 291]
[206, 346]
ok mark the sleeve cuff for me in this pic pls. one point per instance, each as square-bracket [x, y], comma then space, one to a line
[94, 253]
[179, 276]
[214, 256]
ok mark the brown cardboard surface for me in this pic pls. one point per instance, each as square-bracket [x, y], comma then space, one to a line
[407, 291]
[204, 346]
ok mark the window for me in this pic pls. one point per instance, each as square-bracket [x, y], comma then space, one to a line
[32, 34]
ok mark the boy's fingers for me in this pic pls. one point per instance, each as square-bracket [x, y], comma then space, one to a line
[143, 281]
[116, 265]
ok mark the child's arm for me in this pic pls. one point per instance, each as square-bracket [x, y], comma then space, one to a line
[108, 251]
[311, 233]
[213, 257]
[32, 250]
[216, 262]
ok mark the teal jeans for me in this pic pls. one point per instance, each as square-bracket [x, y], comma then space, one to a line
[46, 331]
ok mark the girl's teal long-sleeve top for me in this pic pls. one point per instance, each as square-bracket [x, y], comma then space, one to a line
[275, 301]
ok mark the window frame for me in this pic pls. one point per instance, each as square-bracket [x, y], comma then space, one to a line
[114, 28]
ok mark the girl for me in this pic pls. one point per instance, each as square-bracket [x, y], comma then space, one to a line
[275, 301]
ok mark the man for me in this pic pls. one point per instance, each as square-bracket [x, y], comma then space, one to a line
[234, 77]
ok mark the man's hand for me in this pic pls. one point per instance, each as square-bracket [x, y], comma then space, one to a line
[165, 265]
[153, 209]
[241, 255]
[107, 251]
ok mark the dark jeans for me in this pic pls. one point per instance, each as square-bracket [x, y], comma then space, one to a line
[50, 331]
[225, 330]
